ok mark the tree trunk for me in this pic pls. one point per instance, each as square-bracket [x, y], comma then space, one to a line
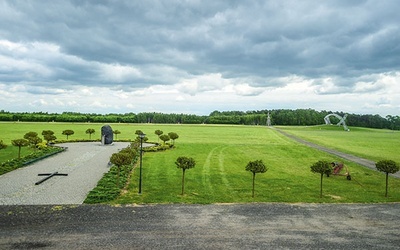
[320, 194]
[183, 180]
[387, 175]
[19, 152]
[254, 179]
[118, 177]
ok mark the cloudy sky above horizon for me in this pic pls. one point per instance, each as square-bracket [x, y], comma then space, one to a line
[199, 56]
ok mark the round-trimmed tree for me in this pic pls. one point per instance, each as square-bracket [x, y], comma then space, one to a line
[116, 133]
[388, 167]
[255, 167]
[20, 143]
[158, 133]
[2, 145]
[48, 135]
[68, 132]
[321, 167]
[164, 138]
[33, 139]
[90, 131]
[184, 163]
[173, 136]
[120, 159]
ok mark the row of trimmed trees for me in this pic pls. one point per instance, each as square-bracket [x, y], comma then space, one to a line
[33, 140]
[166, 137]
[185, 163]
[321, 167]
[386, 166]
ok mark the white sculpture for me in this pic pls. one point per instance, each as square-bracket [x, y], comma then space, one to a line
[342, 120]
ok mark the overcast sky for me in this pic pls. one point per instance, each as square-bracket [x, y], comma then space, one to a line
[194, 57]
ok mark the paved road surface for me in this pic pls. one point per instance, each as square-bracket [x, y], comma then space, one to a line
[235, 226]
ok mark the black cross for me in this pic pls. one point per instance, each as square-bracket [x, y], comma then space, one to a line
[48, 177]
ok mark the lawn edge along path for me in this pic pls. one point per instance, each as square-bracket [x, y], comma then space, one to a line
[361, 161]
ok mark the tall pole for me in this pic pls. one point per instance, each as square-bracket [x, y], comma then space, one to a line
[140, 169]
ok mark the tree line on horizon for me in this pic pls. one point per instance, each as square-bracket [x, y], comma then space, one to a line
[298, 117]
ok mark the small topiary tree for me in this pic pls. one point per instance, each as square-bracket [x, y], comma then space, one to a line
[48, 135]
[158, 133]
[119, 160]
[2, 145]
[164, 138]
[20, 143]
[33, 139]
[388, 167]
[256, 167]
[68, 132]
[90, 131]
[173, 136]
[321, 167]
[116, 133]
[139, 132]
[184, 163]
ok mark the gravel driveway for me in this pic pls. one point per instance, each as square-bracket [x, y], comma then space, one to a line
[84, 162]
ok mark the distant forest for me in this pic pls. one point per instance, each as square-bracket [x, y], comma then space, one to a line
[297, 117]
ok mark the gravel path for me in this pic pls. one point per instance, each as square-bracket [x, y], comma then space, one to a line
[85, 163]
[363, 162]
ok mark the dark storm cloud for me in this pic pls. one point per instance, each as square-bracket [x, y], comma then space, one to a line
[265, 38]
[165, 41]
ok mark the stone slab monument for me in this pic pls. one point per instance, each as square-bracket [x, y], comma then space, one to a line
[106, 135]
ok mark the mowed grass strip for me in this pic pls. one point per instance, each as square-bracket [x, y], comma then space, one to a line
[373, 144]
[221, 154]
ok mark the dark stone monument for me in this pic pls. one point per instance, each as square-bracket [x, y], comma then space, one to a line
[106, 135]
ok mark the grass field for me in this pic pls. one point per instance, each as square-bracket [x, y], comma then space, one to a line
[373, 144]
[222, 152]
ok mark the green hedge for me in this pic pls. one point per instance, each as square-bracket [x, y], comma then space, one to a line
[13, 164]
[158, 148]
[107, 189]
[87, 140]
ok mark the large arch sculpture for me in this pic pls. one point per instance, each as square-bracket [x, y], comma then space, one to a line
[342, 120]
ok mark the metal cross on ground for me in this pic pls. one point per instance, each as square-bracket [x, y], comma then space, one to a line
[49, 175]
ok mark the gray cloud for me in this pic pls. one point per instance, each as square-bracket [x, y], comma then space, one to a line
[137, 44]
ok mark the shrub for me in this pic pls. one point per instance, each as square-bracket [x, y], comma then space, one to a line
[13, 164]
[388, 167]
[321, 167]
[109, 186]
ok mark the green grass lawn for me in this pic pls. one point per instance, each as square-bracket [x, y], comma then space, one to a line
[373, 144]
[17, 130]
[221, 154]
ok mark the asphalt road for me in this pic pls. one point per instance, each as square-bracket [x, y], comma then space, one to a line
[234, 226]
[218, 226]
